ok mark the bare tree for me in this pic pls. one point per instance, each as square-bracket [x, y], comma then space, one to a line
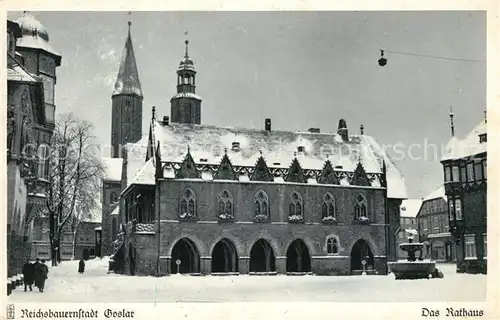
[86, 206]
[75, 166]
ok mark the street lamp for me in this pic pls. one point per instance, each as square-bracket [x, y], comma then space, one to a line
[382, 61]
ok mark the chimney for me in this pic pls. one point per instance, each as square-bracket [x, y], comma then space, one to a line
[342, 130]
[268, 124]
[166, 120]
[235, 146]
[339, 167]
[314, 130]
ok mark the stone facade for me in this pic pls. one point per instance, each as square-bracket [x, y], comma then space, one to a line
[434, 231]
[31, 73]
[85, 246]
[111, 192]
[465, 184]
[253, 201]
[243, 231]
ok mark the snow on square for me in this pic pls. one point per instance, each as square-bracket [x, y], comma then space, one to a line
[96, 285]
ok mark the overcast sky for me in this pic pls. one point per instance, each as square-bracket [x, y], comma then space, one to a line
[302, 69]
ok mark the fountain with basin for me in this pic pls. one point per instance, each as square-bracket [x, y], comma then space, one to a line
[413, 267]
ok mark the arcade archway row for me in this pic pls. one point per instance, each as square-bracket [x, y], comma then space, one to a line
[262, 257]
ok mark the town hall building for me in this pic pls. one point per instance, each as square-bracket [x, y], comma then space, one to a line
[201, 199]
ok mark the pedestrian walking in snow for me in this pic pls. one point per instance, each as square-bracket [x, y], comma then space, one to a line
[41, 275]
[36, 267]
[29, 275]
[81, 266]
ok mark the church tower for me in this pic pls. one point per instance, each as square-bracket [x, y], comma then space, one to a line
[186, 105]
[126, 119]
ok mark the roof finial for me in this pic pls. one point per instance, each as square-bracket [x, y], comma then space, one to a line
[129, 19]
[451, 121]
[485, 120]
[186, 42]
[154, 113]
[362, 129]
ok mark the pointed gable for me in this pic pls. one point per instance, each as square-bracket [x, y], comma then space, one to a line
[295, 173]
[328, 175]
[225, 170]
[261, 172]
[188, 169]
[359, 177]
[127, 81]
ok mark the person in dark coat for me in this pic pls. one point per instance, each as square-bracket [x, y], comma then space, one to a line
[81, 266]
[29, 275]
[36, 267]
[41, 275]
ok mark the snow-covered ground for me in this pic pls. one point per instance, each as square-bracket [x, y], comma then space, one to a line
[95, 285]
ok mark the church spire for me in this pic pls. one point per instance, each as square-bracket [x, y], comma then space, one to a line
[127, 81]
[126, 111]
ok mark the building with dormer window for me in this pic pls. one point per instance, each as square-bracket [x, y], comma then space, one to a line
[201, 199]
[465, 182]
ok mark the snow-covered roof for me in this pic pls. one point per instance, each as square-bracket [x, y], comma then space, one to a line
[15, 72]
[409, 208]
[186, 95]
[116, 211]
[112, 169]
[469, 146]
[35, 35]
[438, 193]
[207, 145]
[145, 175]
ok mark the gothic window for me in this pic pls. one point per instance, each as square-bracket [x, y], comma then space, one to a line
[225, 202]
[187, 204]
[332, 245]
[295, 205]
[328, 207]
[360, 208]
[261, 203]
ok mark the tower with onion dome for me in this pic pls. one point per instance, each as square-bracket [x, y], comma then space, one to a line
[186, 104]
[126, 119]
[39, 59]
